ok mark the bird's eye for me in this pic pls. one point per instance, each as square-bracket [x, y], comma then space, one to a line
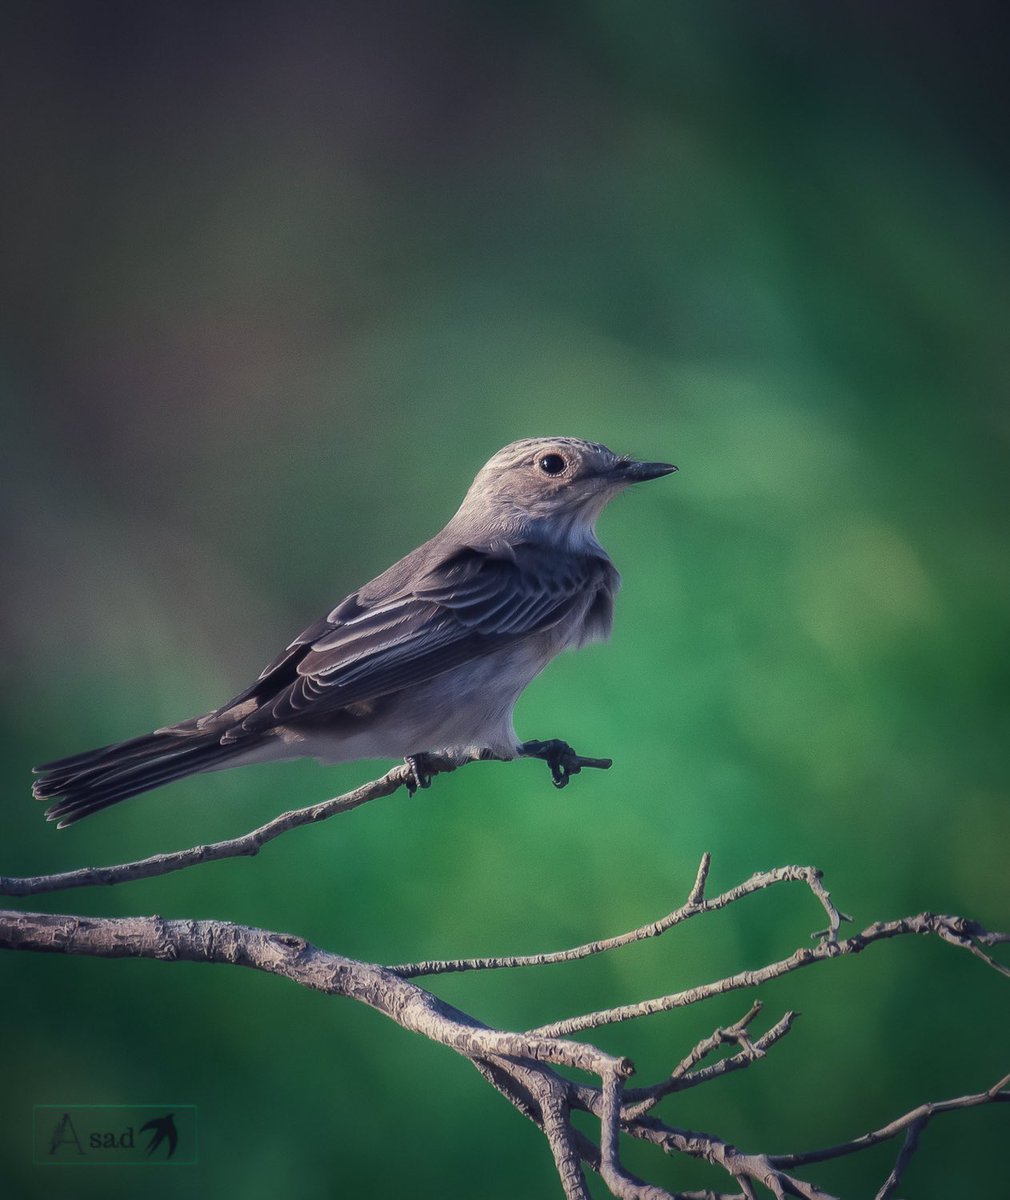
[551, 464]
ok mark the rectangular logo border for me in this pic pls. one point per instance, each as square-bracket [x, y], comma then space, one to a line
[105, 1162]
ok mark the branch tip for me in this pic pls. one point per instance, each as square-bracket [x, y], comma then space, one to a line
[697, 893]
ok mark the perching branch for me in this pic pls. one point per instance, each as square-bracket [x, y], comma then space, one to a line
[522, 1065]
[250, 844]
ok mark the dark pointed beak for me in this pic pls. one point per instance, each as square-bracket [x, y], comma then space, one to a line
[638, 472]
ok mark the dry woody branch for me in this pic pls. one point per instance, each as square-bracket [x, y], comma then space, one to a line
[523, 1064]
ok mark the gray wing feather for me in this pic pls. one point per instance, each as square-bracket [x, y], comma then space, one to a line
[465, 607]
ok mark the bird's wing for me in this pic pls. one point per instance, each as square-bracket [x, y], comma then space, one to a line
[469, 605]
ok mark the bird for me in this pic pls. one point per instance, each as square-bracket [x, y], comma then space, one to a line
[162, 1129]
[428, 659]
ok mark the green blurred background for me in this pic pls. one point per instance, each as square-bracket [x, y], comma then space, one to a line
[262, 261]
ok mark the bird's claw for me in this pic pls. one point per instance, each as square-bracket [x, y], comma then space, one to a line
[559, 756]
[421, 770]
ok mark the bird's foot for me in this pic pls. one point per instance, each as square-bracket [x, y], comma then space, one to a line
[562, 759]
[421, 768]
[425, 765]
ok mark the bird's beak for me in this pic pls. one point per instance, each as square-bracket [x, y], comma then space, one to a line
[638, 472]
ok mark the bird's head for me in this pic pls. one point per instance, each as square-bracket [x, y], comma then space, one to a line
[552, 488]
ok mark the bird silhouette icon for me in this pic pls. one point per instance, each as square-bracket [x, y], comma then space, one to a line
[162, 1128]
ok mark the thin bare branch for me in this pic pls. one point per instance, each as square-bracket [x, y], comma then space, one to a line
[693, 907]
[246, 845]
[745, 1169]
[697, 893]
[949, 928]
[908, 1148]
[737, 1032]
[998, 1093]
[639, 1101]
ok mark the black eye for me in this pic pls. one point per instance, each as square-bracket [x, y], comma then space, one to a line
[552, 464]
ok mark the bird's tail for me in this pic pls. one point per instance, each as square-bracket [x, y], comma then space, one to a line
[86, 783]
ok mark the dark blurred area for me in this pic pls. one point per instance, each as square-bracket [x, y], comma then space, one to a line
[276, 280]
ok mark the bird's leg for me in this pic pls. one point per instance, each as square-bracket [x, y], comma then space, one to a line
[561, 758]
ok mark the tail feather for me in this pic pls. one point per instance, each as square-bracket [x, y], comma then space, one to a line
[86, 783]
[94, 764]
[117, 751]
[102, 792]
